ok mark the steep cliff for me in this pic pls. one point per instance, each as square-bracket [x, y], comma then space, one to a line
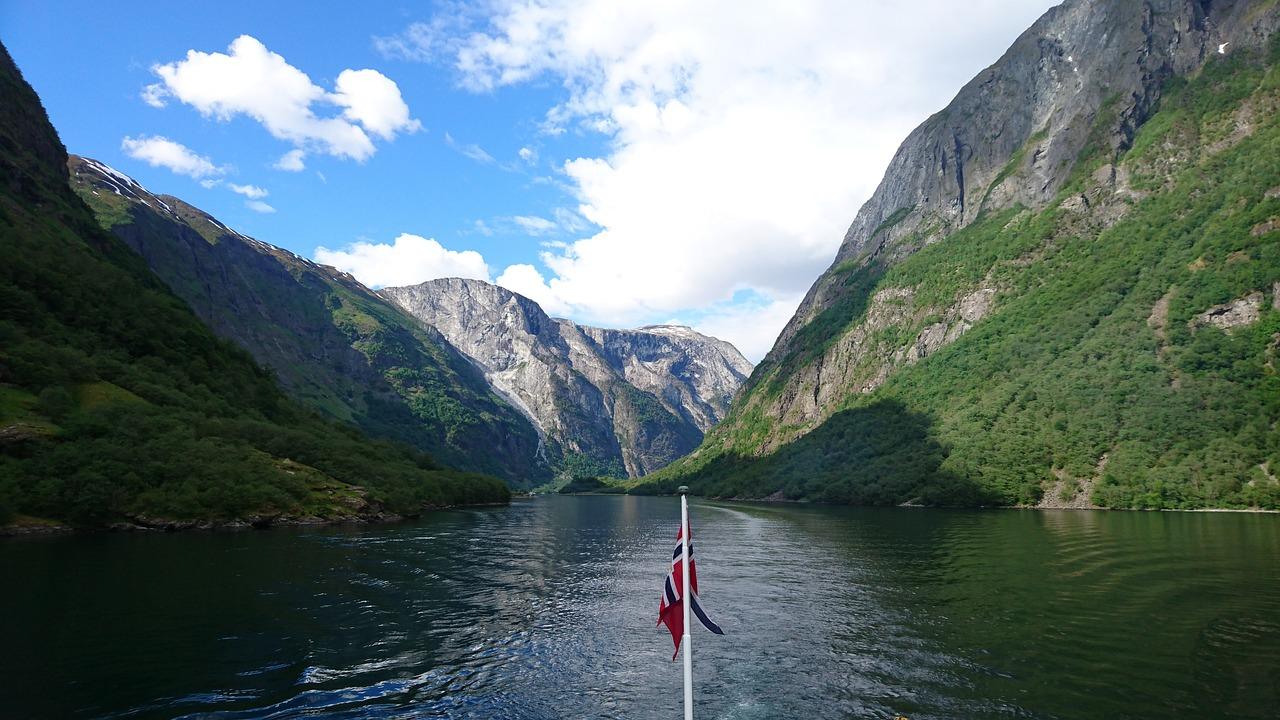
[606, 401]
[333, 343]
[1019, 296]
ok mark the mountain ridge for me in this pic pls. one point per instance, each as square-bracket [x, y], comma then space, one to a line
[606, 401]
[1020, 296]
[334, 344]
[399, 376]
[119, 407]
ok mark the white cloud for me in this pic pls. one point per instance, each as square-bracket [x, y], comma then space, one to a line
[292, 161]
[420, 41]
[154, 95]
[740, 143]
[534, 225]
[160, 151]
[750, 326]
[373, 100]
[434, 40]
[569, 221]
[253, 192]
[259, 206]
[409, 260]
[528, 155]
[471, 150]
[251, 80]
[526, 280]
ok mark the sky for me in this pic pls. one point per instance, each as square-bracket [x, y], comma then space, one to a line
[621, 163]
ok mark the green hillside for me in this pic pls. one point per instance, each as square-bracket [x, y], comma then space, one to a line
[1130, 359]
[116, 402]
[334, 345]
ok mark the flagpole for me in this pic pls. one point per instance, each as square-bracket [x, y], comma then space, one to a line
[685, 602]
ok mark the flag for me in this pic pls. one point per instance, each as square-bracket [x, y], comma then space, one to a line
[670, 609]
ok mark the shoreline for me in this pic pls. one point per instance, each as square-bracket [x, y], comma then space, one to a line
[913, 506]
[44, 528]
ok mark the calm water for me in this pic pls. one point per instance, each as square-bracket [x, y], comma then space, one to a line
[546, 609]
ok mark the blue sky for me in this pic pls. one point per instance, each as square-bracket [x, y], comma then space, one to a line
[620, 163]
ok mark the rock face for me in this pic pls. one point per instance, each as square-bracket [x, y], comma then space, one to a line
[1069, 262]
[331, 341]
[1075, 86]
[1241, 311]
[605, 401]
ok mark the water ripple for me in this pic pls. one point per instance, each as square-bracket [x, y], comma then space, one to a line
[546, 610]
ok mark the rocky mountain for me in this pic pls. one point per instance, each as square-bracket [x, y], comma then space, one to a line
[334, 344]
[608, 402]
[119, 406]
[1063, 291]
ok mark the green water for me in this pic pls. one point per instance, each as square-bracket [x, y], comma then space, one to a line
[546, 609]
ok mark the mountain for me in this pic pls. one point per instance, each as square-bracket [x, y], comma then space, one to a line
[118, 405]
[334, 344]
[1063, 292]
[606, 402]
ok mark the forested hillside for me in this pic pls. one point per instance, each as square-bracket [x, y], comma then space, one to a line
[117, 403]
[335, 345]
[1114, 344]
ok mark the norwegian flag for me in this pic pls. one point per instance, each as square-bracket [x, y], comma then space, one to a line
[670, 609]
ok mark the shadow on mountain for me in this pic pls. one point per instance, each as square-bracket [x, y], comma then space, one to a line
[880, 454]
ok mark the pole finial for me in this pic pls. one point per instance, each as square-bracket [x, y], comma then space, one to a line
[683, 489]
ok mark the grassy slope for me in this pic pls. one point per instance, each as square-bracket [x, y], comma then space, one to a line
[1070, 371]
[116, 401]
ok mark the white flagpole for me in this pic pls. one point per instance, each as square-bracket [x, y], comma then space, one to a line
[685, 601]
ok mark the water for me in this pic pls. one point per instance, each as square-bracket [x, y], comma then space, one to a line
[546, 609]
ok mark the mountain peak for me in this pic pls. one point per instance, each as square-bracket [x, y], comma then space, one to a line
[1022, 300]
[607, 401]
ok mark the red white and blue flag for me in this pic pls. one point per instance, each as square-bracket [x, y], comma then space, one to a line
[671, 609]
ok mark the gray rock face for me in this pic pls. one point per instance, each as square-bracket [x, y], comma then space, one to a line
[1241, 311]
[605, 401]
[1077, 84]
[1013, 134]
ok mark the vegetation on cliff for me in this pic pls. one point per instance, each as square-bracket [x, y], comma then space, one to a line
[1131, 354]
[333, 344]
[116, 402]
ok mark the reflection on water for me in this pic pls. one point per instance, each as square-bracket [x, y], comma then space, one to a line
[546, 609]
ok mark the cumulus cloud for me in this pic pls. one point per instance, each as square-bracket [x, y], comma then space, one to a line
[528, 155]
[373, 100]
[409, 260]
[740, 144]
[251, 80]
[160, 151]
[253, 192]
[525, 279]
[258, 206]
[292, 161]
[751, 325]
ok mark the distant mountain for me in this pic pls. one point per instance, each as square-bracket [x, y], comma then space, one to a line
[606, 402]
[332, 342]
[117, 404]
[1065, 291]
